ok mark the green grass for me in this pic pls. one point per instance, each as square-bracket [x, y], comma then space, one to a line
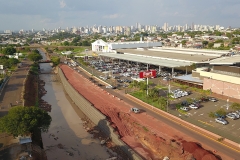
[143, 97]
[182, 112]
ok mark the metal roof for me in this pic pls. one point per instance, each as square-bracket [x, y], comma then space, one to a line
[194, 57]
[189, 78]
[226, 60]
[158, 61]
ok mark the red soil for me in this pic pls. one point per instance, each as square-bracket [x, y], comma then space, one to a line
[148, 136]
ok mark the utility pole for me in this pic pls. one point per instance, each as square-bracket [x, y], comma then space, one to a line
[147, 80]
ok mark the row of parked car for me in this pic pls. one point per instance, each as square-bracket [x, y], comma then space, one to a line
[195, 104]
[231, 115]
[179, 93]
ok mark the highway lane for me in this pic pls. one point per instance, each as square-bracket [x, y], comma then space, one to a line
[204, 141]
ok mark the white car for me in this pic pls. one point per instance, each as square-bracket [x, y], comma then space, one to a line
[192, 106]
[109, 86]
[135, 110]
[236, 114]
[221, 120]
[184, 108]
[231, 116]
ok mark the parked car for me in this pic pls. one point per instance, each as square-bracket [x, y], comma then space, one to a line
[192, 106]
[231, 116]
[221, 120]
[184, 108]
[109, 86]
[236, 114]
[135, 110]
[212, 99]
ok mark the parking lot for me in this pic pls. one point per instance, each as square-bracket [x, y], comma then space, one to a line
[119, 74]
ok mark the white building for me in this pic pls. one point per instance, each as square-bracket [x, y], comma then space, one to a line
[67, 52]
[101, 46]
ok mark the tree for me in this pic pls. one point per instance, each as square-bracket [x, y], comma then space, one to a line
[35, 57]
[153, 93]
[9, 50]
[229, 35]
[221, 112]
[205, 43]
[184, 42]
[55, 60]
[235, 106]
[85, 43]
[66, 43]
[24, 120]
[210, 45]
[12, 61]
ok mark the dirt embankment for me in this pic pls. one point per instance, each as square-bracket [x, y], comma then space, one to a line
[149, 137]
[34, 90]
[31, 86]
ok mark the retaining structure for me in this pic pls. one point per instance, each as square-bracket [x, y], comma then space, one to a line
[96, 117]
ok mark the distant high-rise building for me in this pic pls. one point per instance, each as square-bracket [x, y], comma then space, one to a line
[127, 31]
[8, 31]
[119, 30]
[139, 27]
[136, 25]
[165, 27]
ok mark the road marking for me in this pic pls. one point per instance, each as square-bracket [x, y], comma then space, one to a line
[204, 135]
[205, 123]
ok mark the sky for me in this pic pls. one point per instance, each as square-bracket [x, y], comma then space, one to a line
[50, 14]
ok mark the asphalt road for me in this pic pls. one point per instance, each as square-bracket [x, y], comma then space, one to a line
[201, 138]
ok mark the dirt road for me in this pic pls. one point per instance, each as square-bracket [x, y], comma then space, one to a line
[13, 89]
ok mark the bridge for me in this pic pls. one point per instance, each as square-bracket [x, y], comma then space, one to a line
[45, 61]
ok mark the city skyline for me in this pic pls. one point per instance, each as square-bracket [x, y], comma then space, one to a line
[27, 15]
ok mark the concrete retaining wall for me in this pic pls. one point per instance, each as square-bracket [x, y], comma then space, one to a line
[96, 116]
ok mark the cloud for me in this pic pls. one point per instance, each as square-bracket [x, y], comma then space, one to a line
[113, 16]
[57, 13]
[62, 4]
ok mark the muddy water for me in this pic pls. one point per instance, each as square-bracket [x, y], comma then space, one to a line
[66, 138]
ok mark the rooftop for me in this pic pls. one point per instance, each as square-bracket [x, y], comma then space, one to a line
[226, 60]
[191, 57]
[189, 78]
[158, 61]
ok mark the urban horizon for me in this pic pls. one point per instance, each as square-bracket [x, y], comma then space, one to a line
[138, 26]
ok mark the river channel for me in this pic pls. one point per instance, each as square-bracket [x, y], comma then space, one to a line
[66, 139]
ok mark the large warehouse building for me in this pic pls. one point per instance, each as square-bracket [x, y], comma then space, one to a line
[218, 73]
[101, 46]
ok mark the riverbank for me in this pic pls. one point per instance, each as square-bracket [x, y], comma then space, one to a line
[68, 136]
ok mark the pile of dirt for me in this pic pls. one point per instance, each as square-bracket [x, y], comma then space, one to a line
[198, 152]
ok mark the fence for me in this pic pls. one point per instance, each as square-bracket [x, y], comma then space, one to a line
[96, 117]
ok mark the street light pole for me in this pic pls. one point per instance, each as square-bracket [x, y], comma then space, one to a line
[147, 80]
